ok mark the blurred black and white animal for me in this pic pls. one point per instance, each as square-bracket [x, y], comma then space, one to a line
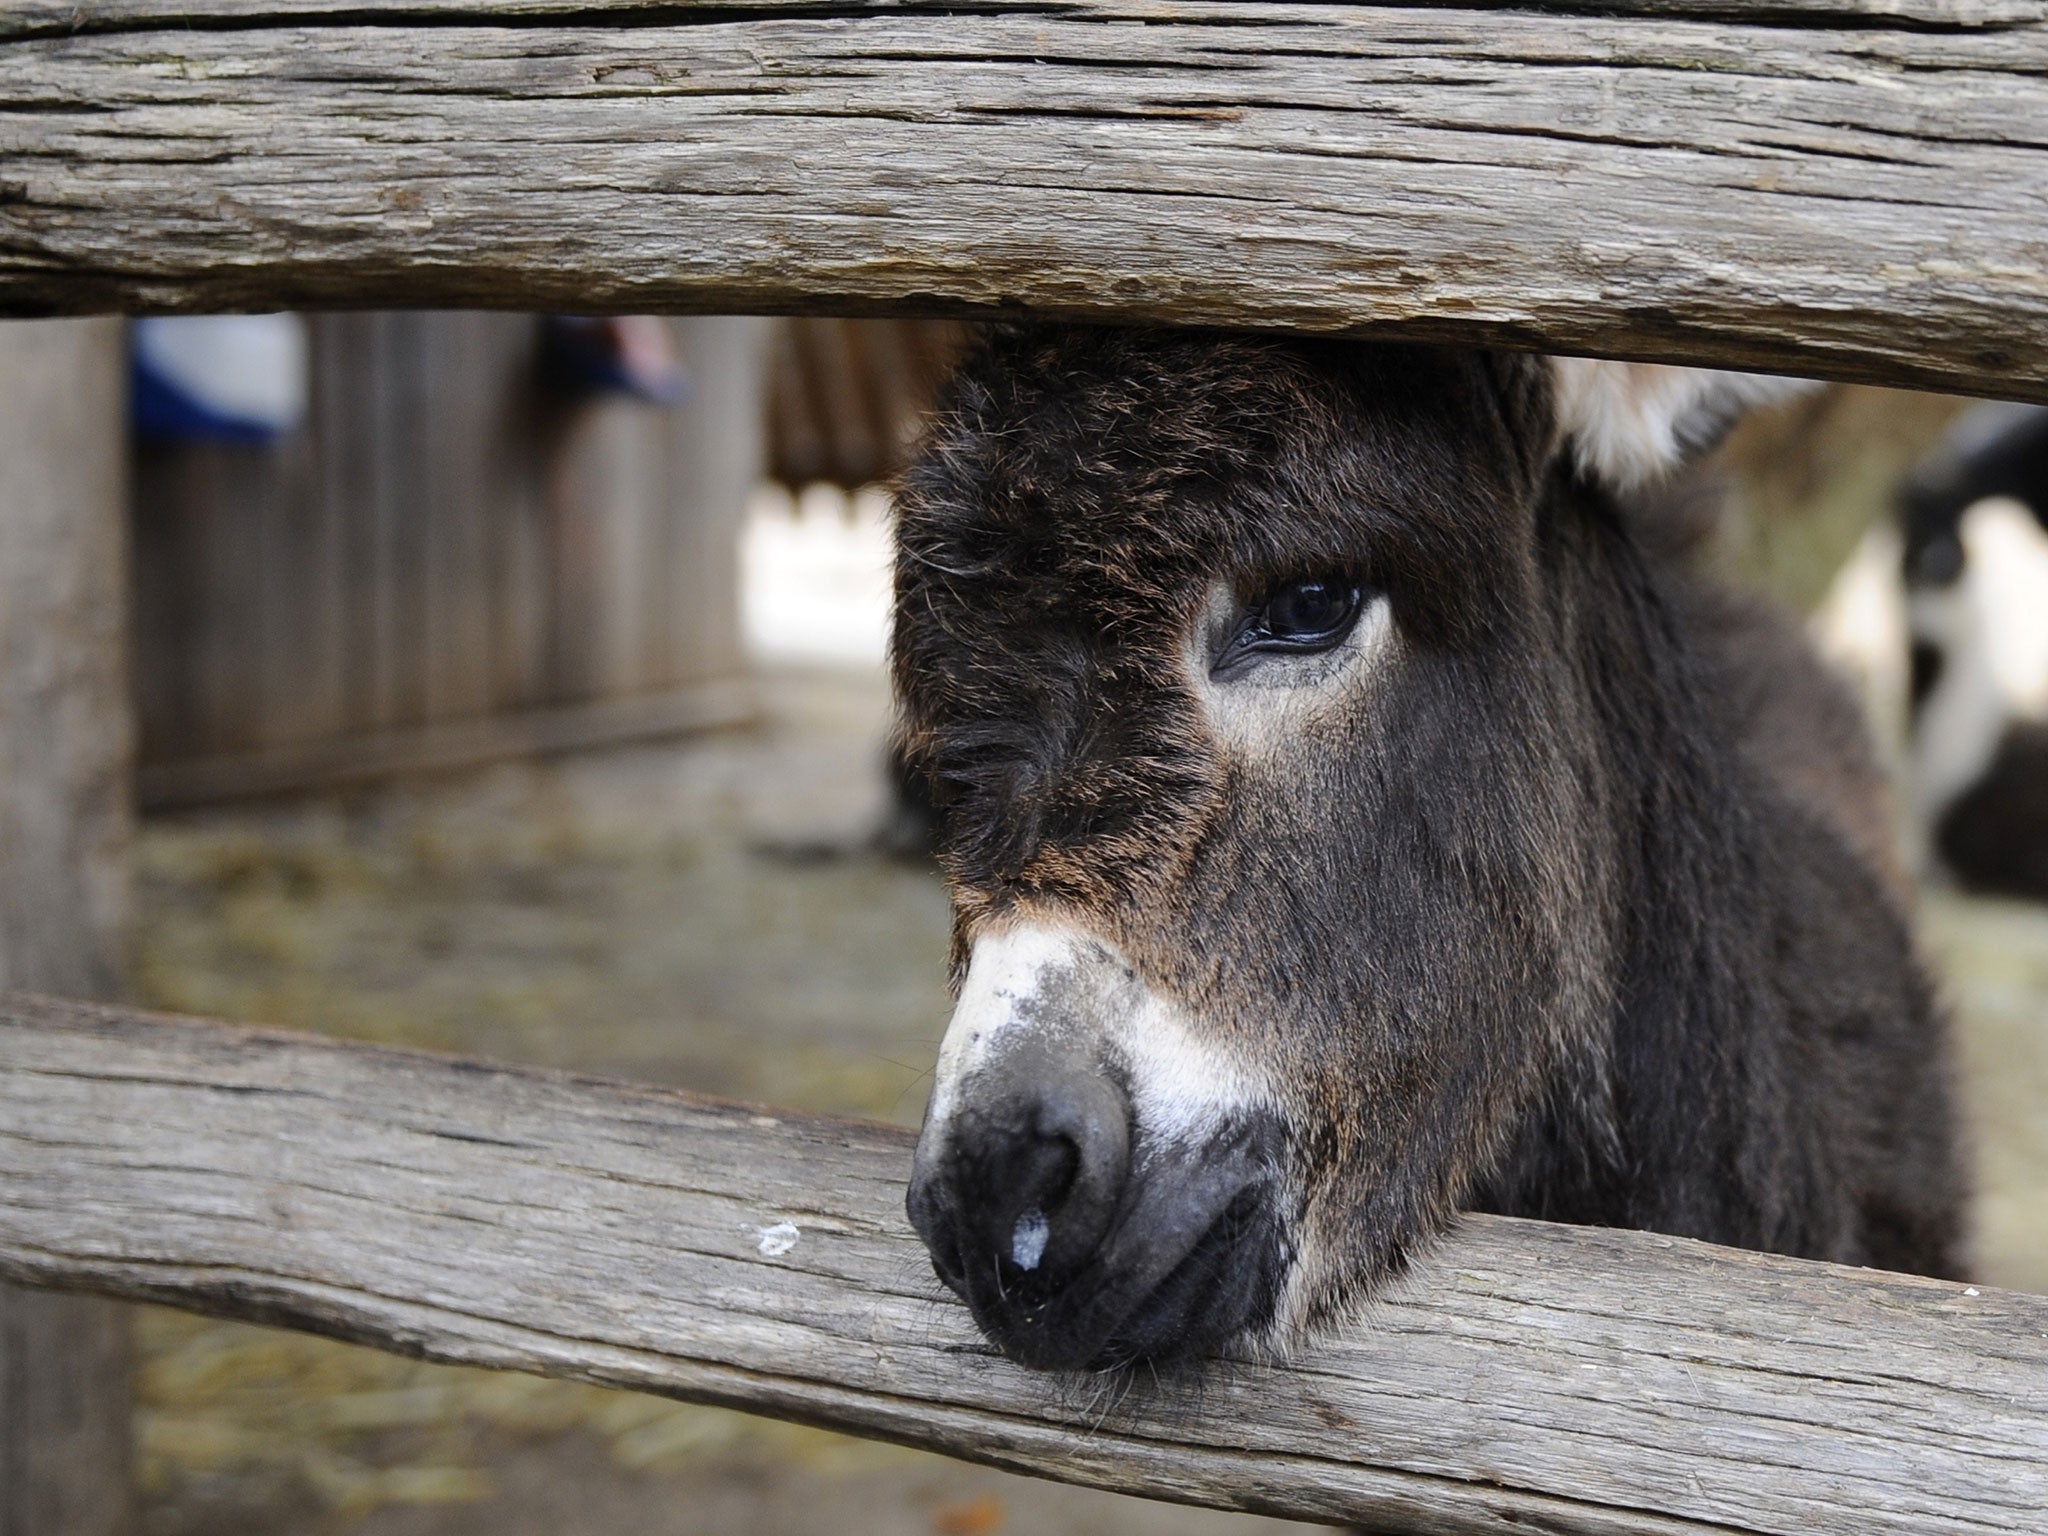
[1357, 809]
[1975, 518]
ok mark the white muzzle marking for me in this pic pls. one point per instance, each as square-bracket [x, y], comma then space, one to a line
[1039, 981]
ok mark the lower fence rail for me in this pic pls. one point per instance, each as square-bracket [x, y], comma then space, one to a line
[1524, 1377]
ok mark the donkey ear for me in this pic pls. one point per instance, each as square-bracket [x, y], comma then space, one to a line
[1631, 422]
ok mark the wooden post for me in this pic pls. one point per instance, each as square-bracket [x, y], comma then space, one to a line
[64, 830]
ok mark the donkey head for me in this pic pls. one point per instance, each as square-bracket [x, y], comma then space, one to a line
[1246, 677]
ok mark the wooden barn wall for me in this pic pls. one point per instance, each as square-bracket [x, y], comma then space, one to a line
[445, 544]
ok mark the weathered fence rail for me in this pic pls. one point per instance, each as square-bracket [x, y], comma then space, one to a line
[1528, 1377]
[1847, 188]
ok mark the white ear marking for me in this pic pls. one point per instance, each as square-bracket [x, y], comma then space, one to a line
[1631, 422]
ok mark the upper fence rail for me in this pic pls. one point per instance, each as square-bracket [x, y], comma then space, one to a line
[1844, 188]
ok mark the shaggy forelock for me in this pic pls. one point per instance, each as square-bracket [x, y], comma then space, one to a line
[1141, 459]
[1076, 497]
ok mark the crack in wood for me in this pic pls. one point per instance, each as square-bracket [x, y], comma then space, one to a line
[622, 15]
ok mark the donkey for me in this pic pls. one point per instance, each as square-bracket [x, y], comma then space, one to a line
[1356, 810]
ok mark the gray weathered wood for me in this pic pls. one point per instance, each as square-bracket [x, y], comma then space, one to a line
[1848, 188]
[1527, 1377]
[69, 17]
[64, 824]
[449, 561]
[65, 742]
[64, 1415]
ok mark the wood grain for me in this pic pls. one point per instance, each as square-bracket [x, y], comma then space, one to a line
[1845, 188]
[66, 813]
[447, 547]
[1527, 1377]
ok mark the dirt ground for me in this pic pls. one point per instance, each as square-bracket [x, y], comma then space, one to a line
[683, 913]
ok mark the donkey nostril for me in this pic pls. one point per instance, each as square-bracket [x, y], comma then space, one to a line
[1044, 1172]
[1035, 1175]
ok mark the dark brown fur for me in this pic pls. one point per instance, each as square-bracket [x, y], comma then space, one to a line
[1579, 910]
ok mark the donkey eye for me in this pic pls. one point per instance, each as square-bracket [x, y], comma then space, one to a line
[1311, 613]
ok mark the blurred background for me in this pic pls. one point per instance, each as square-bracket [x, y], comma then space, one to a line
[512, 685]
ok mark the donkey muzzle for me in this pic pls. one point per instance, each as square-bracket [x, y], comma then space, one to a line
[1093, 1184]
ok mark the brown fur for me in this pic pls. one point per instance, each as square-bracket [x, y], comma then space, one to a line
[1571, 907]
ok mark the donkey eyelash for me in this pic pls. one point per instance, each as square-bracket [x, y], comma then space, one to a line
[1304, 616]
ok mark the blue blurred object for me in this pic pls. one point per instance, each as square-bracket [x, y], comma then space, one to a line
[218, 378]
[632, 355]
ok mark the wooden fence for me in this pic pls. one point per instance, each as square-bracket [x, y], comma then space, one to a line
[1845, 188]
[449, 562]
[1526, 1378]
[65, 818]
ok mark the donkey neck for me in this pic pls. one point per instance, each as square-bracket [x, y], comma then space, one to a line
[1685, 1115]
